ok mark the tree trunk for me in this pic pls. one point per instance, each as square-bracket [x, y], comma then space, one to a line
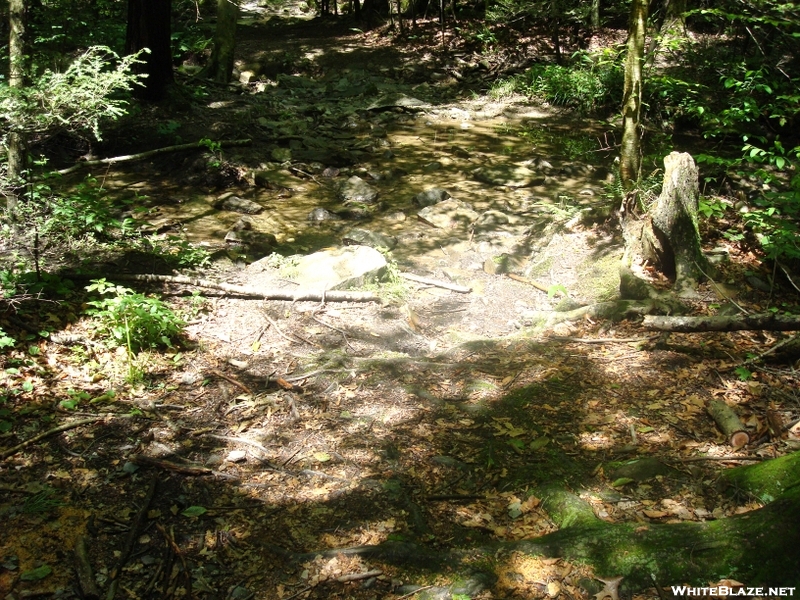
[594, 15]
[15, 143]
[220, 65]
[630, 159]
[149, 27]
[674, 24]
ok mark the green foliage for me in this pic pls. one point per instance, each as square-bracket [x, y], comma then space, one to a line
[131, 319]
[76, 99]
[590, 83]
[43, 502]
[85, 210]
[6, 341]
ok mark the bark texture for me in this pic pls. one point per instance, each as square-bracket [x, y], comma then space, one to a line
[674, 218]
[220, 65]
[630, 158]
[765, 321]
[15, 143]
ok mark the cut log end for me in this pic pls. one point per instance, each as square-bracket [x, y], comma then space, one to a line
[739, 439]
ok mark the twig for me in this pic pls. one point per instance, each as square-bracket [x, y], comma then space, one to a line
[442, 284]
[359, 576]
[300, 593]
[309, 374]
[141, 459]
[786, 272]
[300, 295]
[720, 458]
[719, 289]
[278, 329]
[229, 379]
[415, 592]
[83, 568]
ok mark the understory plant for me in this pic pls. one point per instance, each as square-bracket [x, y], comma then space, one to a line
[132, 319]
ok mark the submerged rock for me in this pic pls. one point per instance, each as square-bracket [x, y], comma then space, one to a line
[365, 237]
[431, 196]
[320, 214]
[356, 189]
[450, 214]
[237, 204]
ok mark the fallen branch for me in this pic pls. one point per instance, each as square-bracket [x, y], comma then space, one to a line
[320, 296]
[142, 155]
[761, 321]
[66, 426]
[84, 571]
[168, 465]
[442, 284]
[133, 534]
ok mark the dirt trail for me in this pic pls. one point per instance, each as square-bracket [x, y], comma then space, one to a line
[312, 426]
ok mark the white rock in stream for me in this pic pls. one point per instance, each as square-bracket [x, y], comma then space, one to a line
[450, 214]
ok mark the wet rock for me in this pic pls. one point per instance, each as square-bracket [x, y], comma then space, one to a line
[449, 214]
[236, 204]
[365, 237]
[396, 217]
[459, 152]
[339, 268]
[511, 175]
[431, 196]
[243, 224]
[492, 218]
[274, 178]
[432, 166]
[390, 101]
[356, 189]
[322, 214]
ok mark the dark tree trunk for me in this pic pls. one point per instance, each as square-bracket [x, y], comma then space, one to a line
[220, 65]
[149, 27]
[378, 8]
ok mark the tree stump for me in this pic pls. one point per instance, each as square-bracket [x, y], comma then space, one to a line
[668, 236]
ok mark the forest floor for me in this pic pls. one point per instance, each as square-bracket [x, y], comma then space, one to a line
[280, 431]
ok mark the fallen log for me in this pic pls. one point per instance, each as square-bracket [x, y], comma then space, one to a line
[147, 154]
[761, 321]
[728, 423]
[296, 296]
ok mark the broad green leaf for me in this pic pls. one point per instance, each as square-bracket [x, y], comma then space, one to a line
[36, 574]
[194, 511]
[622, 481]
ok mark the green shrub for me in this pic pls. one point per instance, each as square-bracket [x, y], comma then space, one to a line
[131, 319]
[591, 83]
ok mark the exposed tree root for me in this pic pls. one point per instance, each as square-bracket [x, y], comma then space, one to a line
[759, 546]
